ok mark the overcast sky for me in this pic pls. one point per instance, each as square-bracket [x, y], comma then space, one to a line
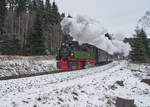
[116, 15]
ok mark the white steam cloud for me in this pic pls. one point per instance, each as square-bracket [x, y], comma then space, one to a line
[87, 30]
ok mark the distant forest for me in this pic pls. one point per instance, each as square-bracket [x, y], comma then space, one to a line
[29, 27]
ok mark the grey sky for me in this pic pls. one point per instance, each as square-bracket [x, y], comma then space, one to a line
[115, 15]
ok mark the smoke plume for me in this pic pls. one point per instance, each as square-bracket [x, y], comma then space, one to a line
[87, 30]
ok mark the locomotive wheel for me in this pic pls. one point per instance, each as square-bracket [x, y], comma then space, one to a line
[83, 65]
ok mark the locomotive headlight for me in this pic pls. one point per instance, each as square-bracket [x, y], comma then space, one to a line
[72, 54]
[63, 44]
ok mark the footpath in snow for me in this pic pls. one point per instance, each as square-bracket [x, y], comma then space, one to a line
[94, 87]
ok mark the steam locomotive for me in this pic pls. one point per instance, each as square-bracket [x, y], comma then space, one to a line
[73, 56]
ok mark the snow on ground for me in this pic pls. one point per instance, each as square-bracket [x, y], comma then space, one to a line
[94, 87]
[25, 66]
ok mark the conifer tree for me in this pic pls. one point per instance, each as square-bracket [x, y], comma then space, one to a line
[11, 4]
[48, 12]
[145, 42]
[62, 16]
[32, 6]
[139, 51]
[3, 11]
[55, 13]
[11, 47]
[21, 6]
[36, 40]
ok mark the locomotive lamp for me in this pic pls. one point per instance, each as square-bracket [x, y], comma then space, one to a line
[72, 54]
[63, 44]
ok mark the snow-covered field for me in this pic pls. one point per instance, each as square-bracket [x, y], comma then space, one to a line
[94, 87]
[25, 66]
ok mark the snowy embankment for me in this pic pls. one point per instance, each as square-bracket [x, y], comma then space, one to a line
[21, 66]
[96, 87]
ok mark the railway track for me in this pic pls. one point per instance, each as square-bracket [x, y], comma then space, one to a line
[32, 75]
